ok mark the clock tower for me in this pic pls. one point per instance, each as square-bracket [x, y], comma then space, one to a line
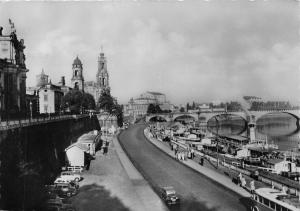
[102, 75]
[77, 78]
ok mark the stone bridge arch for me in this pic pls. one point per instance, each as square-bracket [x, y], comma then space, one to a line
[259, 114]
[208, 116]
[166, 117]
[175, 117]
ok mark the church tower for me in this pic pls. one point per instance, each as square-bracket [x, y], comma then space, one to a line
[77, 78]
[102, 74]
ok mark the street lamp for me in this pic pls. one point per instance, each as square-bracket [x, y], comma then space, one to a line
[217, 141]
[30, 106]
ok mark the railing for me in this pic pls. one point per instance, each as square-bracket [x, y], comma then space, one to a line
[35, 121]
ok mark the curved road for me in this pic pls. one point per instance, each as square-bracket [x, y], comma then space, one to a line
[196, 191]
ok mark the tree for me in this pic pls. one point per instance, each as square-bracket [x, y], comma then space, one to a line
[188, 106]
[77, 101]
[181, 109]
[154, 109]
[151, 109]
[194, 105]
[106, 102]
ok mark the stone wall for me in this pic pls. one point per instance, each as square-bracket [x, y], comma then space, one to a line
[33, 156]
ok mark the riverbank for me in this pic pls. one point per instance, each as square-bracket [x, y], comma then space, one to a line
[214, 175]
[113, 183]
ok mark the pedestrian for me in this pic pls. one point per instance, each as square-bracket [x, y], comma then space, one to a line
[252, 186]
[243, 182]
[192, 153]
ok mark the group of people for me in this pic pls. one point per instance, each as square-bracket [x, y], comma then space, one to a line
[182, 154]
[242, 181]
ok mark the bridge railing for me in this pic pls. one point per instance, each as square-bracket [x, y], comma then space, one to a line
[4, 125]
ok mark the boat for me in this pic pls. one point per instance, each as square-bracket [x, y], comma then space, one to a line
[263, 144]
[267, 199]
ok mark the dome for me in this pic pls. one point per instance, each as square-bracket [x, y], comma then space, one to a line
[77, 61]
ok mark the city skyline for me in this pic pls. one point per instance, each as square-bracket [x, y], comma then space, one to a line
[191, 51]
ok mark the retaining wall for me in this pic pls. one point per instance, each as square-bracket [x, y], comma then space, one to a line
[32, 156]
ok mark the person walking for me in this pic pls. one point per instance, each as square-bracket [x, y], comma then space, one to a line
[192, 153]
[252, 187]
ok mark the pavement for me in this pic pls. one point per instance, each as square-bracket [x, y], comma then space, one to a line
[113, 183]
[207, 171]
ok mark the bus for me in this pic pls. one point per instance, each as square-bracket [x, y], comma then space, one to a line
[267, 199]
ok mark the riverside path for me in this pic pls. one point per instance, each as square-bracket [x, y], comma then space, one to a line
[196, 190]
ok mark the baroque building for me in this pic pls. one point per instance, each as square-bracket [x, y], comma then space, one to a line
[139, 106]
[12, 74]
[77, 80]
[102, 80]
[49, 95]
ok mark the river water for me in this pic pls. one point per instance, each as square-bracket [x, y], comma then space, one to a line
[280, 129]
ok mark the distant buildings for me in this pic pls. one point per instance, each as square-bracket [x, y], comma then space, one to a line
[12, 75]
[139, 106]
[102, 80]
[49, 95]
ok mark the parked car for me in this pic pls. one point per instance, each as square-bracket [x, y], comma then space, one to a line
[62, 190]
[61, 180]
[69, 175]
[169, 195]
[57, 204]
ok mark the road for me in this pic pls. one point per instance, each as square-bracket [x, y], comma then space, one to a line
[196, 191]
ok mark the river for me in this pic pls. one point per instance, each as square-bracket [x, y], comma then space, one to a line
[280, 129]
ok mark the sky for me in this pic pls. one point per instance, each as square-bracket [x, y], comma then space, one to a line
[190, 50]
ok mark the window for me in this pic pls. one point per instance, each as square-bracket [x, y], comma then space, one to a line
[260, 199]
[272, 205]
[278, 207]
[266, 202]
[45, 97]
[46, 108]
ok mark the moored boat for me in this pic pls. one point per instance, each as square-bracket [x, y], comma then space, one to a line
[267, 199]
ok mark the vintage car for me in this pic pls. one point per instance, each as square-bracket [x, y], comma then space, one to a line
[69, 175]
[168, 194]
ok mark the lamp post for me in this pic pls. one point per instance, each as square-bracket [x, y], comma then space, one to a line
[217, 141]
[30, 106]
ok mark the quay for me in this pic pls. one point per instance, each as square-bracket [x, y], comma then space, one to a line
[113, 183]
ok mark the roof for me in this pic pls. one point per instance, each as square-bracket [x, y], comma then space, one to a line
[277, 196]
[236, 137]
[87, 138]
[77, 61]
[155, 93]
[274, 161]
[79, 145]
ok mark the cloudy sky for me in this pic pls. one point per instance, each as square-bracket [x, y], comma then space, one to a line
[190, 50]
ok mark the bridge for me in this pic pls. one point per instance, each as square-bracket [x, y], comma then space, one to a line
[249, 116]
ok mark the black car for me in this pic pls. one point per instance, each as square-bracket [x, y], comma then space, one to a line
[62, 190]
[169, 195]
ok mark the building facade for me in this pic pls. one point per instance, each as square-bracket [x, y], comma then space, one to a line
[77, 80]
[12, 75]
[102, 80]
[50, 98]
[139, 106]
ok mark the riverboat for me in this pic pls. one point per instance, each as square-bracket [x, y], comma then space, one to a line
[263, 143]
[268, 199]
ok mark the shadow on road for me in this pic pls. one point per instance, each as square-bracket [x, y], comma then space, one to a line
[247, 202]
[94, 197]
[193, 205]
